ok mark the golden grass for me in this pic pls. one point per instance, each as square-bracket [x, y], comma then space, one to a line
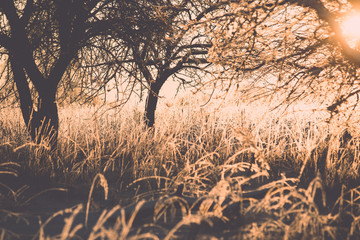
[245, 173]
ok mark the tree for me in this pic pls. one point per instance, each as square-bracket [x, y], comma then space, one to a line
[167, 40]
[40, 40]
[291, 46]
[47, 43]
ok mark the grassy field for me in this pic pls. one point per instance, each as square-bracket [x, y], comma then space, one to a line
[237, 172]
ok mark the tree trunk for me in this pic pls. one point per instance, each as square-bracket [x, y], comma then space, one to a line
[42, 123]
[151, 102]
[150, 108]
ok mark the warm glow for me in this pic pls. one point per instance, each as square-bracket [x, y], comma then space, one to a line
[351, 28]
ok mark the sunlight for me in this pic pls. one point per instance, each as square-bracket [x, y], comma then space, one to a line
[351, 28]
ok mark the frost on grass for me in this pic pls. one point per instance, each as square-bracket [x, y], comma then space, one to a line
[234, 174]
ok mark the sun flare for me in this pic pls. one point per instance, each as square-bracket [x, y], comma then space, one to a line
[351, 28]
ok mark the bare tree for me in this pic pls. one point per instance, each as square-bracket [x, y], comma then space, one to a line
[40, 40]
[167, 40]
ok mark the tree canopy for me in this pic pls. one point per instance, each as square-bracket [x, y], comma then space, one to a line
[166, 41]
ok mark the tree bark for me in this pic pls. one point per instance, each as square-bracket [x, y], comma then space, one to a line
[42, 123]
[150, 108]
[26, 103]
[151, 102]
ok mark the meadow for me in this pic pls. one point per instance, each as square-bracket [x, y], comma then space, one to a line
[235, 172]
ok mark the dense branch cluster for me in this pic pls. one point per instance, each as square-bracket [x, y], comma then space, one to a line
[293, 47]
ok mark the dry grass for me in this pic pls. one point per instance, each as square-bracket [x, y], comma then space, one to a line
[234, 172]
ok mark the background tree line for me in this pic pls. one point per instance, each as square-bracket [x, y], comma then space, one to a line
[294, 48]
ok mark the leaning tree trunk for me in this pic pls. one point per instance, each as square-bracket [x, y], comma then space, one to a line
[42, 123]
[150, 108]
[151, 102]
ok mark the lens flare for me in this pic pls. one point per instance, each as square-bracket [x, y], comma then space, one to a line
[351, 28]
